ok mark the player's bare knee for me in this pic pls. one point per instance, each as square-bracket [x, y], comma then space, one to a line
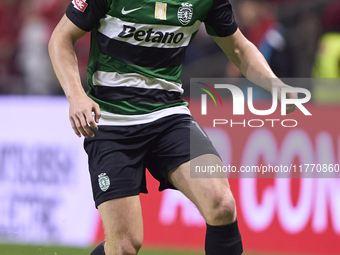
[123, 247]
[128, 248]
[137, 244]
[222, 210]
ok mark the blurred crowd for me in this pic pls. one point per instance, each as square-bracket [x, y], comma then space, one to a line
[299, 38]
[25, 29]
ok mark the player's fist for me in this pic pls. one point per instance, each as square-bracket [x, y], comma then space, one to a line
[81, 118]
[288, 95]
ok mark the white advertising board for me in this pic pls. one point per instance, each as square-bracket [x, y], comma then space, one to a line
[45, 189]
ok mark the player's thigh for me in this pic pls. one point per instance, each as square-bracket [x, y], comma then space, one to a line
[123, 224]
[212, 196]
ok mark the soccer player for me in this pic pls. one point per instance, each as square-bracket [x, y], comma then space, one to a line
[133, 118]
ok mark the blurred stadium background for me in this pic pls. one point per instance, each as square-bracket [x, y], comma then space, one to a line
[46, 203]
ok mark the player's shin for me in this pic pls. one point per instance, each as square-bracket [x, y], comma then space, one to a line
[222, 240]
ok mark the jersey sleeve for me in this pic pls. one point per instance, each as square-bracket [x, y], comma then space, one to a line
[220, 19]
[86, 14]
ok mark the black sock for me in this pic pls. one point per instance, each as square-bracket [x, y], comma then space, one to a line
[223, 240]
[99, 250]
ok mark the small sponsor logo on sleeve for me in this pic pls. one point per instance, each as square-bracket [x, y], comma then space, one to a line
[80, 5]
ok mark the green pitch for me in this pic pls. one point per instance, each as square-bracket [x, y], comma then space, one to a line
[57, 250]
[11, 249]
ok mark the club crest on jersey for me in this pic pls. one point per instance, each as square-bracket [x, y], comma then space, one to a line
[80, 5]
[104, 182]
[185, 13]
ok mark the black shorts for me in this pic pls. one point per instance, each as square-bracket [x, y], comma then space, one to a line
[119, 155]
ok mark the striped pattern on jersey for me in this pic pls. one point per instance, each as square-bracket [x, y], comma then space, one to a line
[141, 61]
[137, 51]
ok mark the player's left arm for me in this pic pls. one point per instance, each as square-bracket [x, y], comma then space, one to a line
[252, 63]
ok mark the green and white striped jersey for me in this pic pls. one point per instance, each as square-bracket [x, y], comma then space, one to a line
[137, 51]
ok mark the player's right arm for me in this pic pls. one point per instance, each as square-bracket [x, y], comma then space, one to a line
[64, 60]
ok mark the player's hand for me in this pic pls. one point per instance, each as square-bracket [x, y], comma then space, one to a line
[291, 107]
[82, 121]
[290, 95]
